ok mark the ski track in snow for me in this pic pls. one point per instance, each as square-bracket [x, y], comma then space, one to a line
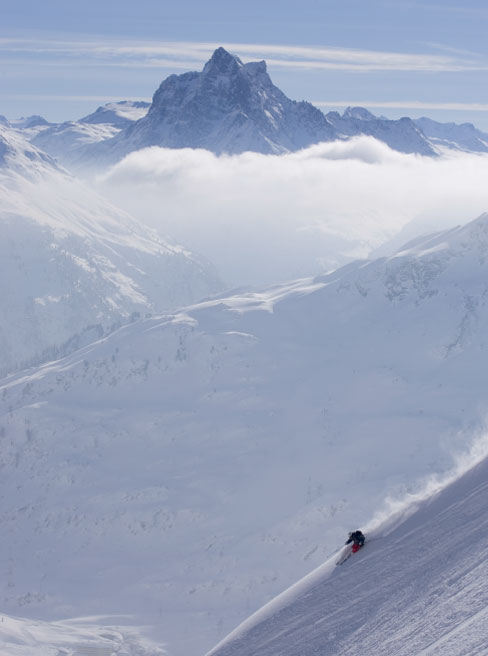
[418, 591]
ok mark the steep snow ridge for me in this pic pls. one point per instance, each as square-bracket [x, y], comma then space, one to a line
[418, 589]
[119, 114]
[85, 636]
[28, 122]
[67, 141]
[402, 135]
[189, 467]
[18, 156]
[72, 264]
[454, 136]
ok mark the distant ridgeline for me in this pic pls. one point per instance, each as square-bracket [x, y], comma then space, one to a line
[231, 107]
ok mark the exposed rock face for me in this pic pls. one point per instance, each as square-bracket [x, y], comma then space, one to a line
[229, 107]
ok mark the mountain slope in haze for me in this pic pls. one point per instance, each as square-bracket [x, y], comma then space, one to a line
[83, 637]
[119, 114]
[188, 467]
[454, 136]
[74, 266]
[403, 134]
[419, 589]
[28, 122]
[66, 141]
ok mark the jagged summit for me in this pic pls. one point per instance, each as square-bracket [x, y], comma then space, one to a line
[231, 107]
[222, 62]
[360, 113]
[225, 63]
[228, 107]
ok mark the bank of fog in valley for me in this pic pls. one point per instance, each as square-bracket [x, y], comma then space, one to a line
[264, 219]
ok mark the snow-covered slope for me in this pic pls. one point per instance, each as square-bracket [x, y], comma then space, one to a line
[416, 590]
[28, 122]
[189, 467]
[454, 136]
[72, 265]
[67, 141]
[82, 637]
[120, 114]
[402, 135]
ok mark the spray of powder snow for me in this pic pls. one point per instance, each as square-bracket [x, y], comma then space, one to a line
[264, 218]
[398, 509]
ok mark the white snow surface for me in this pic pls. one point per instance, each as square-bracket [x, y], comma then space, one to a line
[88, 636]
[454, 136]
[120, 113]
[187, 468]
[72, 263]
[418, 588]
[68, 141]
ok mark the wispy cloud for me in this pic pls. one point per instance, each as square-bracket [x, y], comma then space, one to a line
[192, 54]
[405, 104]
[69, 98]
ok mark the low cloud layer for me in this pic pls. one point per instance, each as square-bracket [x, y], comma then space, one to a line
[264, 219]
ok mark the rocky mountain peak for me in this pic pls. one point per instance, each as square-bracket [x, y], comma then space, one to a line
[359, 113]
[229, 107]
[222, 62]
[256, 68]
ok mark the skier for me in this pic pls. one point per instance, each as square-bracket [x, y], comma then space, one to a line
[357, 537]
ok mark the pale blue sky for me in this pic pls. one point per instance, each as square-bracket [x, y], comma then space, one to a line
[397, 57]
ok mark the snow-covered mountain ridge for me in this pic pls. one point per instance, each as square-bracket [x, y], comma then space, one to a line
[231, 107]
[73, 266]
[403, 134]
[188, 467]
[454, 136]
[67, 141]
